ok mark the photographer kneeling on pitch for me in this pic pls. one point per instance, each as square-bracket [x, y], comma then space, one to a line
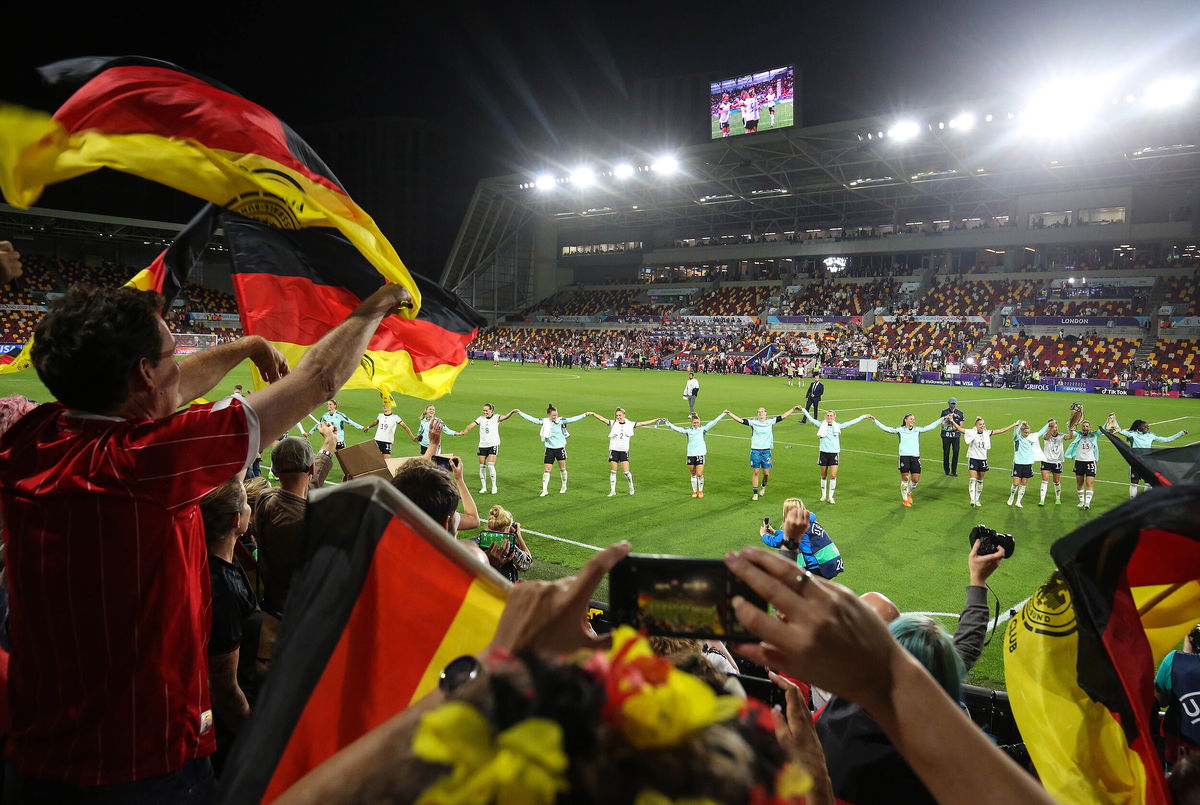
[813, 548]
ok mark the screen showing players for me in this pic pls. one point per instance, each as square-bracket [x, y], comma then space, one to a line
[752, 103]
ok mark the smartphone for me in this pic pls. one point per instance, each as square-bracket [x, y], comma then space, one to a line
[678, 596]
[767, 522]
[489, 538]
[764, 690]
[443, 462]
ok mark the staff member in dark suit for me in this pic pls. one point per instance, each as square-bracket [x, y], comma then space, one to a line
[812, 397]
[951, 437]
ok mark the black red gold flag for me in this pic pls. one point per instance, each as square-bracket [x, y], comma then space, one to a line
[385, 600]
[292, 287]
[1161, 466]
[1081, 655]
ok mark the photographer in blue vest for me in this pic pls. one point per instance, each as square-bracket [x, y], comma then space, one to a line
[1177, 687]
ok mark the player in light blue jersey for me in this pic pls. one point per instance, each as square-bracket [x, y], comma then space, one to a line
[762, 439]
[1140, 438]
[910, 452]
[829, 433]
[1025, 452]
[697, 448]
[553, 433]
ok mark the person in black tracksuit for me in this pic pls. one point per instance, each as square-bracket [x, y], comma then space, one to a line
[951, 437]
[812, 398]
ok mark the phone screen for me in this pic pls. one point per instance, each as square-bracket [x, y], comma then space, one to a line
[678, 596]
[443, 462]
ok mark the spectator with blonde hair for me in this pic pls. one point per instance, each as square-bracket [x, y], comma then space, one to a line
[509, 555]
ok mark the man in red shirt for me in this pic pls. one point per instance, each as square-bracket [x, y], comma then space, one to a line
[106, 556]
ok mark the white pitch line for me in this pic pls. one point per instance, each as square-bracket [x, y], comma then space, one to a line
[1004, 617]
[562, 539]
[906, 405]
[1176, 419]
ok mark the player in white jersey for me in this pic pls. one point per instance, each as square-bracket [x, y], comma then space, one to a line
[979, 441]
[489, 443]
[723, 109]
[387, 423]
[619, 433]
[1085, 449]
[749, 110]
[1053, 452]
[771, 105]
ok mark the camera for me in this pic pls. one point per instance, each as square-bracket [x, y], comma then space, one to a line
[989, 541]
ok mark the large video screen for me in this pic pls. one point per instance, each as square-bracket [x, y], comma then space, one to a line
[752, 103]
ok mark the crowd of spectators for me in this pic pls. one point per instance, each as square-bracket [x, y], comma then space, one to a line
[957, 297]
[828, 298]
[1089, 356]
[734, 301]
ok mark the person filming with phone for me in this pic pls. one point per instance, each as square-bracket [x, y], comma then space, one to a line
[504, 545]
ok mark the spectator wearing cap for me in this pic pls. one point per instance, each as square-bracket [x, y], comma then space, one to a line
[279, 513]
[951, 437]
[106, 556]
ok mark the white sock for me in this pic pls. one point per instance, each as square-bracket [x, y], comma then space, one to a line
[700, 481]
[904, 490]
[563, 474]
[971, 490]
[824, 487]
[492, 474]
[629, 477]
[1021, 493]
[545, 480]
[979, 490]
[1057, 490]
[1133, 490]
[695, 483]
[1012, 493]
[1080, 493]
[1045, 486]
[612, 480]
[832, 486]
[1087, 497]
[482, 476]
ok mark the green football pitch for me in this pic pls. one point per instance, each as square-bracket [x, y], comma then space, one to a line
[783, 117]
[916, 556]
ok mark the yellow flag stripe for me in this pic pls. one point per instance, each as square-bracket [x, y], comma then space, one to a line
[469, 633]
[393, 373]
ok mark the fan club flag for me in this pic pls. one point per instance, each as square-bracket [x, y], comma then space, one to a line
[154, 120]
[384, 602]
[293, 287]
[1081, 655]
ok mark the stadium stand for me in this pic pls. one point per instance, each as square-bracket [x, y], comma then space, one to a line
[733, 301]
[1173, 359]
[973, 298]
[1091, 356]
[841, 299]
[1183, 293]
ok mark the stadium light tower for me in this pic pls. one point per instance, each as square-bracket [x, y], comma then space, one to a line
[544, 182]
[583, 177]
[904, 130]
[1170, 91]
[623, 171]
[665, 164]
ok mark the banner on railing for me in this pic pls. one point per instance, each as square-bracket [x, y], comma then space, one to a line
[1095, 281]
[26, 308]
[724, 320]
[1073, 321]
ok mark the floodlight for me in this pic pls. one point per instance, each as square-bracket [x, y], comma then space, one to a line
[582, 177]
[1170, 91]
[544, 182]
[1063, 108]
[904, 130]
[964, 122]
[665, 164]
[623, 171]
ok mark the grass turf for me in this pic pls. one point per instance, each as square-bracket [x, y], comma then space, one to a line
[783, 117]
[916, 556]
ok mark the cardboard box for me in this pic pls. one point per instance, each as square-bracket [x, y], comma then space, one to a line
[360, 459]
[384, 473]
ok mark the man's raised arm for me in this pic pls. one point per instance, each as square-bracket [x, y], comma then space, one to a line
[327, 365]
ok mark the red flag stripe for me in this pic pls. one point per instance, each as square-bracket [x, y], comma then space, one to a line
[294, 310]
[1162, 558]
[408, 574]
[142, 99]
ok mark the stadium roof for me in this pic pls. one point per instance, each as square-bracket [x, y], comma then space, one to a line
[954, 164]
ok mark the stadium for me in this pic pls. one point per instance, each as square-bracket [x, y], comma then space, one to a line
[1016, 261]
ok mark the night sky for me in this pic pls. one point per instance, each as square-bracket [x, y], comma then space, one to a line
[519, 83]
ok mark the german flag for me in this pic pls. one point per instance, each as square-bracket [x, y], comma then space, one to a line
[1161, 466]
[385, 600]
[154, 120]
[1081, 656]
[292, 287]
